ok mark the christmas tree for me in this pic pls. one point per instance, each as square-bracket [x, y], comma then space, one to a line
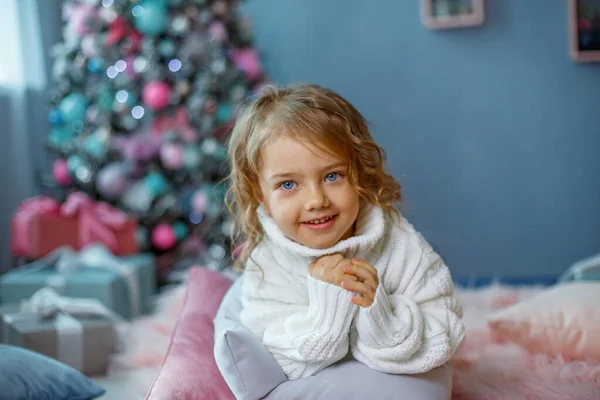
[144, 95]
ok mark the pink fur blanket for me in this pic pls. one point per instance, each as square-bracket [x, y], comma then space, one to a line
[484, 369]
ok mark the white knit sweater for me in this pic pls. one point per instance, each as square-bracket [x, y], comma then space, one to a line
[413, 325]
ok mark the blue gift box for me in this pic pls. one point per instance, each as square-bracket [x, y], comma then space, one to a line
[124, 285]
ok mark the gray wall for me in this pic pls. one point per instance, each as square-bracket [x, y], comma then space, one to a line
[494, 132]
[23, 119]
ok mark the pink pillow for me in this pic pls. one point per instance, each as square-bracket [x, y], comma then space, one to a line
[562, 320]
[189, 371]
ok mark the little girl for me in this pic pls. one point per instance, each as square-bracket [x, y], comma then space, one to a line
[331, 267]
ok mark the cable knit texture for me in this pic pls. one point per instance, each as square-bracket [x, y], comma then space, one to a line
[414, 324]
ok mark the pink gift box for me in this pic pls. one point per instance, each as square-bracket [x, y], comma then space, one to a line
[41, 225]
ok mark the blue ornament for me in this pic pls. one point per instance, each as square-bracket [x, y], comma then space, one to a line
[156, 183]
[185, 201]
[220, 153]
[55, 117]
[167, 48]
[192, 157]
[94, 146]
[223, 113]
[95, 65]
[105, 99]
[73, 107]
[181, 230]
[60, 137]
[151, 18]
[73, 162]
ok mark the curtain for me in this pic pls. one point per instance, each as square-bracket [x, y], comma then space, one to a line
[28, 29]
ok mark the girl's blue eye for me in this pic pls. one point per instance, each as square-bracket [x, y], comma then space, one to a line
[332, 177]
[288, 185]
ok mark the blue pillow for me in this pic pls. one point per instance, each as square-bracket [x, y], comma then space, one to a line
[26, 375]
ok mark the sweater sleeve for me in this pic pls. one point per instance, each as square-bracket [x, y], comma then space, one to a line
[305, 332]
[417, 325]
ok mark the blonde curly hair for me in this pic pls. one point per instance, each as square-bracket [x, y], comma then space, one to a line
[307, 113]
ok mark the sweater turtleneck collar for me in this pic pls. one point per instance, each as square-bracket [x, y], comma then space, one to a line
[369, 229]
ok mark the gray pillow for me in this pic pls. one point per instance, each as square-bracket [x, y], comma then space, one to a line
[349, 379]
[252, 373]
[245, 363]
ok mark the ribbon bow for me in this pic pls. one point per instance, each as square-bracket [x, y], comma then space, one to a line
[95, 219]
[47, 303]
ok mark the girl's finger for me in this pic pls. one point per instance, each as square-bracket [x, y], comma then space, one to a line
[359, 287]
[348, 277]
[364, 264]
[343, 264]
[364, 274]
[361, 301]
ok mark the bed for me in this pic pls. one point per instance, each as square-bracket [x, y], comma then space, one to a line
[485, 367]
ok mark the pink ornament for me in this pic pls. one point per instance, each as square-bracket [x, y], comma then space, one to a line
[61, 172]
[78, 20]
[199, 201]
[247, 60]
[163, 237]
[156, 95]
[140, 147]
[171, 155]
[218, 30]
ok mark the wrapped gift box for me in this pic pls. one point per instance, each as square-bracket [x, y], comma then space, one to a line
[41, 225]
[124, 285]
[82, 342]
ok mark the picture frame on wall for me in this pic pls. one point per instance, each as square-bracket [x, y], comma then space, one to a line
[584, 30]
[449, 14]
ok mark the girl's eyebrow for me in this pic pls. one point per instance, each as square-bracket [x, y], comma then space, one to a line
[335, 166]
[292, 174]
[283, 175]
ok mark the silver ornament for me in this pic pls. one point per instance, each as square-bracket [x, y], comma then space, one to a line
[141, 65]
[227, 228]
[209, 146]
[238, 93]
[218, 66]
[108, 14]
[83, 173]
[217, 252]
[180, 25]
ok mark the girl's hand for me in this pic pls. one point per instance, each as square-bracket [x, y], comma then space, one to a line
[330, 269]
[365, 285]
